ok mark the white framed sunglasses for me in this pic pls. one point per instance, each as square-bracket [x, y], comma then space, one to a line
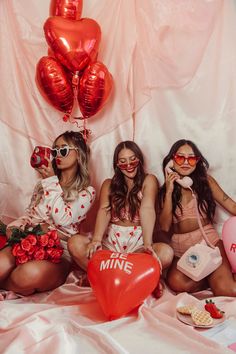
[62, 151]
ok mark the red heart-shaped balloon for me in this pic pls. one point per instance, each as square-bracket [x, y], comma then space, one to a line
[70, 9]
[94, 88]
[122, 281]
[74, 43]
[54, 84]
[229, 241]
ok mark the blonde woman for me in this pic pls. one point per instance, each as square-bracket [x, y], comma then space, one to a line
[60, 201]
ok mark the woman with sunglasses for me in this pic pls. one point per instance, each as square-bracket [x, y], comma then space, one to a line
[126, 215]
[61, 200]
[178, 213]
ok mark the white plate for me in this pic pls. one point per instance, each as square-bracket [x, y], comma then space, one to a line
[187, 319]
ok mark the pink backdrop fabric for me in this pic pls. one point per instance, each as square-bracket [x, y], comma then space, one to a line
[173, 64]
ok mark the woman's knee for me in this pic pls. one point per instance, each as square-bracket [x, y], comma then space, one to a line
[175, 283]
[220, 288]
[180, 283]
[26, 276]
[77, 245]
[165, 253]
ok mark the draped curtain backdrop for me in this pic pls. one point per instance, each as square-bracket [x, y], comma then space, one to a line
[174, 69]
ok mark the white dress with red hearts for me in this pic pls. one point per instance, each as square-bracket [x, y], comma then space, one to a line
[125, 239]
[53, 210]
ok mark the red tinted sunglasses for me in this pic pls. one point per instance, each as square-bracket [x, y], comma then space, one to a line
[124, 166]
[180, 160]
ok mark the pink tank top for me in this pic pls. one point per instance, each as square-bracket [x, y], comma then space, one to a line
[188, 212]
[125, 215]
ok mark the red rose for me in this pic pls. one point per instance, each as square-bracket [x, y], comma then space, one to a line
[58, 242]
[32, 239]
[22, 259]
[55, 253]
[53, 234]
[40, 254]
[51, 242]
[56, 256]
[32, 249]
[43, 240]
[25, 244]
[17, 251]
[49, 251]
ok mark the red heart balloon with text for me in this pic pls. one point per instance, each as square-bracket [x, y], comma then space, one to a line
[74, 43]
[121, 281]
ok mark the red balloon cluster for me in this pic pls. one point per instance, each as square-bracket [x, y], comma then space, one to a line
[71, 71]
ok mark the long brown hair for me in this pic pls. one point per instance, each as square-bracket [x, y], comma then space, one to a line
[200, 185]
[119, 195]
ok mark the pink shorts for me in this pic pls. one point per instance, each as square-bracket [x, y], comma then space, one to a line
[181, 242]
[125, 239]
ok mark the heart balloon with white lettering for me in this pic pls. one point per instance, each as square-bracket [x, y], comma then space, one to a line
[122, 281]
[229, 241]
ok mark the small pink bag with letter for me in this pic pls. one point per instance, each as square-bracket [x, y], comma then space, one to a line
[201, 259]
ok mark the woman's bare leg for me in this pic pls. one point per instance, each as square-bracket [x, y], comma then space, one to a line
[77, 247]
[7, 264]
[37, 276]
[165, 253]
[222, 280]
[179, 282]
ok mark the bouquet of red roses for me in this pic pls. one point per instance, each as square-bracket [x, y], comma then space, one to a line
[38, 247]
[34, 244]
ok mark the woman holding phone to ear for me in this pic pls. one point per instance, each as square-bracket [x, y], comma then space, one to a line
[178, 212]
[60, 201]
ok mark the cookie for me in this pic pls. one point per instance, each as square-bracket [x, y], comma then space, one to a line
[186, 309]
[201, 318]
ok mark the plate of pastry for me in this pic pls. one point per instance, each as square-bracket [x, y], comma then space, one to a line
[203, 314]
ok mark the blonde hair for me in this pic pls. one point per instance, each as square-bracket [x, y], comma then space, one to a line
[81, 180]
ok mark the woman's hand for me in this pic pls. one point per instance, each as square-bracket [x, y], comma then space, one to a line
[151, 251]
[92, 247]
[10, 229]
[45, 171]
[170, 180]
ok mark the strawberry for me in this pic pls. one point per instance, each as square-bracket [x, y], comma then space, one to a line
[213, 310]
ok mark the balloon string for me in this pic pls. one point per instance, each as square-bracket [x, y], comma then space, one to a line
[84, 131]
[75, 84]
[68, 117]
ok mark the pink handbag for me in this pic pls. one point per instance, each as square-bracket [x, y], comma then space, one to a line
[201, 259]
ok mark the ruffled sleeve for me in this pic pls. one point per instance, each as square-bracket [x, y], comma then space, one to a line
[65, 213]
